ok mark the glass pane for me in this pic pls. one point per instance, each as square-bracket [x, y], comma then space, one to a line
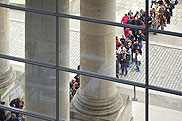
[34, 85]
[17, 33]
[32, 39]
[136, 95]
[131, 46]
[101, 99]
[32, 118]
[35, 4]
[167, 15]
[165, 61]
[165, 107]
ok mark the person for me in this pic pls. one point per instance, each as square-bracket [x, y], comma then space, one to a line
[117, 68]
[15, 104]
[153, 2]
[128, 54]
[137, 57]
[130, 13]
[126, 31]
[160, 2]
[117, 40]
[135, 21]
[77, 79]
[21, 106]
[130, 36]
[123, 62]
[72, 83]
[121, 48]
[122, 40]
[155, 23]
[143, 25]
[125, 19]
[13, 117]
[168, 16]
[140, 37]
[2, 113]
[176, 2]
[162, 20]
[71, 96]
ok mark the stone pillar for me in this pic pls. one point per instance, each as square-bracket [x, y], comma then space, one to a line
[7, 75]
[96, 97]
[40, 44]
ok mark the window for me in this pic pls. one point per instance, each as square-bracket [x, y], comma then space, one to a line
[57, 67]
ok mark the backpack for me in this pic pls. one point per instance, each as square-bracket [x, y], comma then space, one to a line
[156, 5]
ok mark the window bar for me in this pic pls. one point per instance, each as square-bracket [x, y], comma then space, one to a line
[90, 20]
[57, 61]
[147, 65]
[90, 74]
[28, 113]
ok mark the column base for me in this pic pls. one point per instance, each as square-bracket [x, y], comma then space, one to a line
[123, 114]
[13, 90]
[7, 78]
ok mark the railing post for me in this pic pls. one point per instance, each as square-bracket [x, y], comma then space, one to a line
[134, 98]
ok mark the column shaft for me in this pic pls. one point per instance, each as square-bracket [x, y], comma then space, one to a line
[40, 44]
[97, 97]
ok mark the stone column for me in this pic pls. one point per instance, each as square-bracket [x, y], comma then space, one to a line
[96, 97]
[40, 44]
[7, 75]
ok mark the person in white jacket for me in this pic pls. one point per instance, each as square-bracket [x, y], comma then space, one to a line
[137, 58]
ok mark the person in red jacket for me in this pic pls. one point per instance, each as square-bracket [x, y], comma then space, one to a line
[143, 25]
[125, 19]
[126, 31]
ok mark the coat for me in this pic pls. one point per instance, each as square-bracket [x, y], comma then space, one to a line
[125, 19]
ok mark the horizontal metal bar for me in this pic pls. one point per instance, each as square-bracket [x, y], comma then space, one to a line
[29, 61]
[165, 32]
[166, 90]
[108, 78]
[90, 19]
[28, 113]
[28, 9]
[62, 68]
[106, 22]
[95, 75]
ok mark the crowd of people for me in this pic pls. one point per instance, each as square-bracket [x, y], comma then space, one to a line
[15, 103]
[129, 46]
[74, 85]
[160, 14]
[128, 51]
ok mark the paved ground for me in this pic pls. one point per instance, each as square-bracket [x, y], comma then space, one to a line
[155, 113]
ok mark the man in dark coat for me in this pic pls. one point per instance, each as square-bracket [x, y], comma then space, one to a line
[140, 37]
[123, 62]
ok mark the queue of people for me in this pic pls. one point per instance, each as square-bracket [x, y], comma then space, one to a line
[129, 46]
[129, 51]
